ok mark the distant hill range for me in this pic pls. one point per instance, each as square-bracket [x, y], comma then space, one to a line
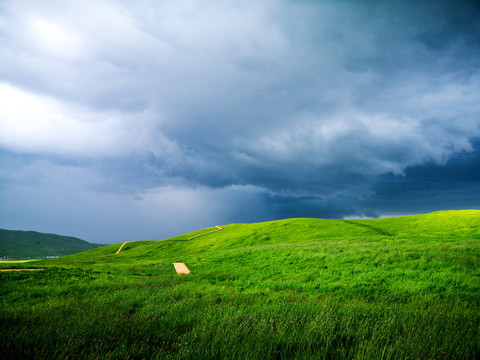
[24, 244]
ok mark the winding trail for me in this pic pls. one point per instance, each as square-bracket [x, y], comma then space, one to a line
[218, 228]
[121, 247]
[22, 269]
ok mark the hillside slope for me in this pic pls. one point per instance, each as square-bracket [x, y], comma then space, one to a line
[33, 244]
[439, 226]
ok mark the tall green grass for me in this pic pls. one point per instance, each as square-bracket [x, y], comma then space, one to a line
[401, 288]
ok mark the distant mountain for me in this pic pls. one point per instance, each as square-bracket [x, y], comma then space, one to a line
[33, 244]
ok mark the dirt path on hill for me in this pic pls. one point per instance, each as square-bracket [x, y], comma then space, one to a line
[121, 247]
[218, 229]
[22, 269]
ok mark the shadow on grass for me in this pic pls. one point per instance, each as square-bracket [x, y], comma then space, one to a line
[370, 227]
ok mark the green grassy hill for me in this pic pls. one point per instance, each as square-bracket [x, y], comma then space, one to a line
[37, 245]
[442, 226]
[396, 288]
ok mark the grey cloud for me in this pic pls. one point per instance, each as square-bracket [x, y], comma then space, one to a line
[302, 107]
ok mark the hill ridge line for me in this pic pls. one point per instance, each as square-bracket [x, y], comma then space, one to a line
[190, 238]
[209, 232]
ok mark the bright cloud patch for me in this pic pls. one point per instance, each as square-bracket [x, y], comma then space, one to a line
[41, 124]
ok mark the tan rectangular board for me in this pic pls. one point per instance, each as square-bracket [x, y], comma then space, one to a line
[180, 268]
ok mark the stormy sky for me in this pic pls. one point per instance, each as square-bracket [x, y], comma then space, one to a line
[139, 119]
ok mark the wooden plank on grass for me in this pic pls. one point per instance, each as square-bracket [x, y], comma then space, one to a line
[180, 268]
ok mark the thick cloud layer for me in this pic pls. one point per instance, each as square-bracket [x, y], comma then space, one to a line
[123, 113]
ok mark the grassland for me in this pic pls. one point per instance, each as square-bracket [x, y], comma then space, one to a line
[398, 288]
[33, 244]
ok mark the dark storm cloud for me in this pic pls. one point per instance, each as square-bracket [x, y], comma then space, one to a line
[344, 103]
[306, 108]
[455, 185]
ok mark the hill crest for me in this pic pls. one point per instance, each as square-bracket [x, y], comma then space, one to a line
[443, 226]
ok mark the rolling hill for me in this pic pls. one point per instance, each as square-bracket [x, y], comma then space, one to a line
[441, 226]
[33, 244]
[394, 288]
